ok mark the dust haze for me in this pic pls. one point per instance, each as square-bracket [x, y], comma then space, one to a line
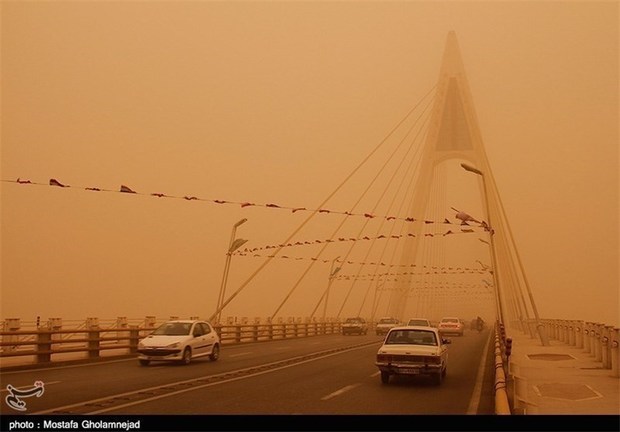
[214, 112]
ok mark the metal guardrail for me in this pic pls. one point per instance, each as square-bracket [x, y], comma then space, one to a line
[46, 344]
[502, 354]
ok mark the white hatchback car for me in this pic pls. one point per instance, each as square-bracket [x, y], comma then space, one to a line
[413, 350]
[180, 340]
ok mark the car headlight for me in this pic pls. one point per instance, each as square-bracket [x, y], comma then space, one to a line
[174, 345]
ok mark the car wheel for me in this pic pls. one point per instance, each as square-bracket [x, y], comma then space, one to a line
[385, 377]
[187, 356]
[215, 353]
[144, 362]
[444, 372]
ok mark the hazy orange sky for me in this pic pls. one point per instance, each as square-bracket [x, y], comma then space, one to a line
[277, 102]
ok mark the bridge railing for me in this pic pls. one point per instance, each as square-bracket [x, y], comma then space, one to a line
[91, 341]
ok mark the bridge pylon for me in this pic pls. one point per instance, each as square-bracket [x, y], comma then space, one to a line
[454, 133]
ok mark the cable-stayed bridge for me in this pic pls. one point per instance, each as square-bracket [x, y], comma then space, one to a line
[425, 234]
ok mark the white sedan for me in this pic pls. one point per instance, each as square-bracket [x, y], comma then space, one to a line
[451, 325]
[413, 350]
[181, 341]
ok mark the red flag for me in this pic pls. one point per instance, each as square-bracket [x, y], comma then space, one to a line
[189, 198]
[125, 189]
[158, 195]
[368, 215]
[323, 211]
[246, 204]
[272, 205]
[92, 189]
[220, 202]
[297, 209]
[23, 181]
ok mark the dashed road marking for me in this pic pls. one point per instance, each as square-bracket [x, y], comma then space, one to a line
[341, 391]
[240, 354]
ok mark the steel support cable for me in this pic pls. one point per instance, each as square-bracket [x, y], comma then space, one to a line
[502, 214]
[396, 194]
[402, 203]
[408, 198]
[504, 256]
[376, 205]
[514, 284]
[412, 292]
[268, 260]
[440, 249]
[436, 248]
[381, 170]
[344, 219]
[511, 271]
[398, 299]
[342, 223]
[409, 189]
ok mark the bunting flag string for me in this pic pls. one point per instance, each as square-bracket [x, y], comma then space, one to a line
[128, 190]
[380, 277]
[443, 270]
[473, 289]
[350, 239]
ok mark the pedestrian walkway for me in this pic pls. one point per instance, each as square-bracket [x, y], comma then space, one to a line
[559, 379]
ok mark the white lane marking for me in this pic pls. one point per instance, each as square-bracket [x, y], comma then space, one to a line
[341, 391]
[65, 408]
[240, 354]
[375, 374]
[476, 394]
[23, 371]
[45, 384]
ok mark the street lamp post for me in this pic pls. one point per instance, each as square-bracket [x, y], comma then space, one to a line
[539, 326]
[498, 301]
[233, 245]
[332, 273]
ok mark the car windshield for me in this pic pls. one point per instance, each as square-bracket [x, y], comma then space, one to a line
[353, 320]
[418, 322]
[173, 329]
[388, 321]
[450, 320]
[412, 337]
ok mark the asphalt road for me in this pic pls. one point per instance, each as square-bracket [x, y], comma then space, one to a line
[318, 375]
